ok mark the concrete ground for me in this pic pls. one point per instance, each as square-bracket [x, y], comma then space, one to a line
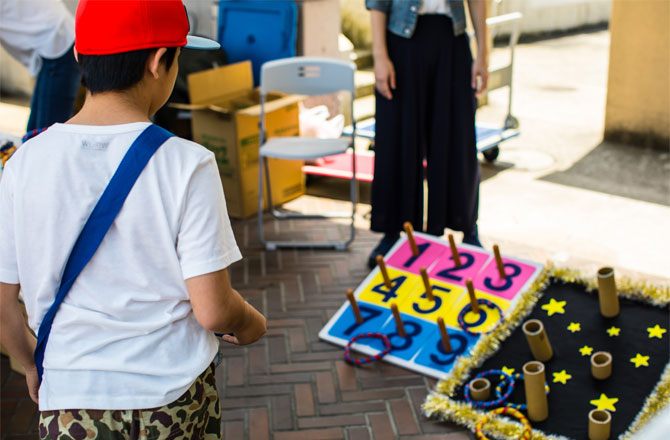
[557, 193]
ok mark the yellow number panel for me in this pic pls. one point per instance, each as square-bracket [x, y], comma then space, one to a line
[490, 319]
[402, 284]
[446, 295]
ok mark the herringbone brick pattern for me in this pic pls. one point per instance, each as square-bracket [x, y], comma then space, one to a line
[290, 385]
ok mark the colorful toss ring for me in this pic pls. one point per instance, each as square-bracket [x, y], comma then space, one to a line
[508, 379]
[519, 406]
[504, 410]
[376, 357]
[468, 308]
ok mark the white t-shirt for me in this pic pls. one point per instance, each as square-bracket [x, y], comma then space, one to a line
[434, 7]
[125, 337]
[34, 29]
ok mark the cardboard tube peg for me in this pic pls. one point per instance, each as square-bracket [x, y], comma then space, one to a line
[538, 341]
[499, 262]
[473, 297]
[384, 271]
[454, 251]
[480, 389]
[536, 396]
[354, 306]
[426, 284]
[601, 365]
[607, 295]
[409, 230]
[600, 422]
[400, 327]
[446, 341]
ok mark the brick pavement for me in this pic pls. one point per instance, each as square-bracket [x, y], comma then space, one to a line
[291, 385]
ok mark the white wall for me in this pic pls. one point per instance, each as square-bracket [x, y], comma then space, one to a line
[557, 15]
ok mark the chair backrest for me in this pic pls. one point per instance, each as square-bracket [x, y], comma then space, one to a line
[308, 76]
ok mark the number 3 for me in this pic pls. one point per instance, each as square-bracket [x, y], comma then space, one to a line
[516, 271]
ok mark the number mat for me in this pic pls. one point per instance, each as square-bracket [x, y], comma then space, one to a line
[422, 349]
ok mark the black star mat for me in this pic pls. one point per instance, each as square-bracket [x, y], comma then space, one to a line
[637, 338]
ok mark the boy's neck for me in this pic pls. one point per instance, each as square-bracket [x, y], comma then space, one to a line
[113, 108]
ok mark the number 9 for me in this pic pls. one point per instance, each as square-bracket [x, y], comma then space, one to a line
[455, 352]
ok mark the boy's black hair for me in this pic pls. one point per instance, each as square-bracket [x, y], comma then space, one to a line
[120, 71]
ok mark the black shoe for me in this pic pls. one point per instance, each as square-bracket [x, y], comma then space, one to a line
[472, 238]
[382, 248]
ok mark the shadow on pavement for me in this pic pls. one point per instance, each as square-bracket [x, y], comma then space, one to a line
[620, 170]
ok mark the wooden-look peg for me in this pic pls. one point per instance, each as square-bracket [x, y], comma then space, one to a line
[384, 271]
[454, 251]
[426, 284]
[409, 230]
[446, 342]
[499, 262]
[354, 306]
[400, 327]
[473, 297]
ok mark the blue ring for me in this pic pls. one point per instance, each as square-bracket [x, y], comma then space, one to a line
[519, 406]
[490, 403]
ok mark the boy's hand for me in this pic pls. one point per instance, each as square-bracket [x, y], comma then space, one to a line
[252, 330]
[33, 383]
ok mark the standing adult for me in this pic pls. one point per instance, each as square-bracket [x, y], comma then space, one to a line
[40, 35]
[426, 84]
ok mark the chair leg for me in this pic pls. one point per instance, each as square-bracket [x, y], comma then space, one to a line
[273, 245]
[260, 202]
[354, 194]
[271, 206]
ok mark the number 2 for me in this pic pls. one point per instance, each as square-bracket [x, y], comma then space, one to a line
[446, 273]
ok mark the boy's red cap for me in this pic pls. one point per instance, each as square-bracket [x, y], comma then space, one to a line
[105, 27]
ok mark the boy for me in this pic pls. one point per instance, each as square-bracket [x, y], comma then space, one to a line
[131, 346]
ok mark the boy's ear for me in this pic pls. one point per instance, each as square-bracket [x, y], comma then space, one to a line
[154, 61]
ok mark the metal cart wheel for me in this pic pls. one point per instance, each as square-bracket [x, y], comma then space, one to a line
[511, 122]
[491, 154]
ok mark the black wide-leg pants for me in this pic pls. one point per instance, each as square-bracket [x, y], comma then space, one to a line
[431, 116]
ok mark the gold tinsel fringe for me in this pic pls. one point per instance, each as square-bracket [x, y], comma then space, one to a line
[656, 401]
[439, 402]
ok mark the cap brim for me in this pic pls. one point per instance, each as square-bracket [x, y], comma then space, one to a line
[193, 42]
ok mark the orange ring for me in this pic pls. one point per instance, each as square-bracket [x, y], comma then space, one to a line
[504, 410]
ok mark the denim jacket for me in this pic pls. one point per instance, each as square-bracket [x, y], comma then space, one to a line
[402, 15]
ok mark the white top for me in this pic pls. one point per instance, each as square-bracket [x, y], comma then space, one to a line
[125, 337]
[34, 29]
[434, 7]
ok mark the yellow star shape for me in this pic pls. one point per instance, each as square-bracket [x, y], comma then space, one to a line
[604, 402]
[640, 360]
[586, 350]
[613, 331]
[656, 332]
[562, 377]
[574, 327]
[507, 370]
[554, 306]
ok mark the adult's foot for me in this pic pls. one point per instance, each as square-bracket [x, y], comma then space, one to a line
[472, 238]
[382, 248]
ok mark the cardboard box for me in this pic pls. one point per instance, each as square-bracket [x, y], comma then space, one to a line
[225, 117]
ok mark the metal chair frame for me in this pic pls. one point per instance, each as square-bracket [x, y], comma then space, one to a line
[305, 76]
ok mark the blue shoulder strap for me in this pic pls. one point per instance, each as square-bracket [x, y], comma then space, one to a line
[99, 222]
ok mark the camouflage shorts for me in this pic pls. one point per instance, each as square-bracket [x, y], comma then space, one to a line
[195, 415]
